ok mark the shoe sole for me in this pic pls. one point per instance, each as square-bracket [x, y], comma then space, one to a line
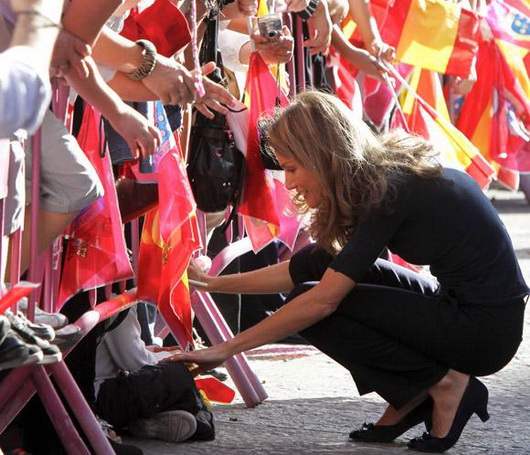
[31, 359]
[48, 359]
[170, 426]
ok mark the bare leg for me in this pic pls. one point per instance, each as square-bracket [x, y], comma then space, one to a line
[392, 416]
[51, 225]
[447, 394]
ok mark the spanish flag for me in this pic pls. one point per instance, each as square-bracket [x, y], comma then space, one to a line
[484, 117]
[427, 115]
[433, 34]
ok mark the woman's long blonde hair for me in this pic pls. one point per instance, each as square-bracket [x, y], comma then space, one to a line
[358, 170]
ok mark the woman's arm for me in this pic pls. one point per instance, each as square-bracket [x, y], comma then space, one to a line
[360, 12]
[366, 63]
[301, 312]
[267, 280]
[85, 19]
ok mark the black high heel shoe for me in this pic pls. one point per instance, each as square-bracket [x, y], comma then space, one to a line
[474, 401]
[370, 432]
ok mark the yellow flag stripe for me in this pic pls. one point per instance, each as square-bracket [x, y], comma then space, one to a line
[424, 31]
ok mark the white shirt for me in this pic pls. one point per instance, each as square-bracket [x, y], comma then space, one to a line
[122, 349]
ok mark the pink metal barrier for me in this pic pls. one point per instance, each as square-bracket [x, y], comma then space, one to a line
[22, 383]
[18, 387]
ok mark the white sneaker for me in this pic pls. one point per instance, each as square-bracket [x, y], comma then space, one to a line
[55, 320]
[170, 426]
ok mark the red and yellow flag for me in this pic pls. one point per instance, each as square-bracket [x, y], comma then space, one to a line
[262, 94]
[170, 236]
[438, 35]
[485, 114]
[427, 115]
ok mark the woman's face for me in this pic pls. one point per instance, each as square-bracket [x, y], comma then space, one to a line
[302, 180]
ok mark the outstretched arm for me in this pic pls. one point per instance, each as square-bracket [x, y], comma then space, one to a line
[267, 280]
[301, 312]
[361, 58]
[360, 11]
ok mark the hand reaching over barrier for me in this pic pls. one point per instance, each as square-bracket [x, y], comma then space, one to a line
[320, 28]
[216, 97]
[70, 53]
[171, 82]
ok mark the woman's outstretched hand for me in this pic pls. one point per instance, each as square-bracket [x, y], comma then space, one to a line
[195, 272]
[204, 360]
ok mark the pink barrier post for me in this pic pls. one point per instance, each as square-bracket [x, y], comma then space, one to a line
[213, 323]
[33, 272]
[47, 285]
[80, 408]
[73, 443]
[9, 389]
[56, 266]
[16, 244]
[246, 382]
[228, 254]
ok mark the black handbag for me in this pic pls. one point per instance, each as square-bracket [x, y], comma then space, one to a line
[215, 164]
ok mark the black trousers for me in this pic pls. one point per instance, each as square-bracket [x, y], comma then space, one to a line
[398, 334]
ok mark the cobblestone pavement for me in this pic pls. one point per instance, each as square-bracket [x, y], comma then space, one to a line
[313, 404]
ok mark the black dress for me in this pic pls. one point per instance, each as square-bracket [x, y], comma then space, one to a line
[398, 332]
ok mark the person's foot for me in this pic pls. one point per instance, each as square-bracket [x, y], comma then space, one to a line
[14, 352]
[170, 426]
[392, 416]
[384, 433]
[474, 400]
[447, 395]
[55, 320]
[50, 352]
[43, 331]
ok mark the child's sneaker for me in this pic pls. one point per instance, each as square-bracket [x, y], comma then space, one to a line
[55, 320]
[51, 353]
[170, 426]
[43, 331]
[14, 352]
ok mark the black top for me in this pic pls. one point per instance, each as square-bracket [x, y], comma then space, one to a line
[448, 224]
